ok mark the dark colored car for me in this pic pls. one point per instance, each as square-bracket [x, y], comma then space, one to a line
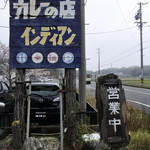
[2, 107]
[7, 101]
[6, 98]
[44, 103]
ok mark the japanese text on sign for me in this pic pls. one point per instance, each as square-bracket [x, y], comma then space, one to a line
[45, 34]
[114, 106]
[113, 93]
[66, 9]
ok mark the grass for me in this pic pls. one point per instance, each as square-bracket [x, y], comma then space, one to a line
[81, 130]
[137, 119]
[137, 83]
[140, 140]
[139, 127]
[138, 122]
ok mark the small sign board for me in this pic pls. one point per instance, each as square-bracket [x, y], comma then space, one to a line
[114, 110]
[45, 34]
[111, 105]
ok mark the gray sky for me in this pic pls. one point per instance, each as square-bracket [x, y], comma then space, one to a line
[111, 27]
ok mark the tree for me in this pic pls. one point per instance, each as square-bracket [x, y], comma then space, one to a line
[4, 58]
[135, 72]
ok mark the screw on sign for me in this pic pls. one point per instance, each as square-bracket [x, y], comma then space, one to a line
[52, 57]
[68, 57]
[111, 105]
[21, 57]
[37, 57]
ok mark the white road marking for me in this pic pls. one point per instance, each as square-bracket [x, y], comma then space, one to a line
[132, 100]
[137, 92]
[139, 103]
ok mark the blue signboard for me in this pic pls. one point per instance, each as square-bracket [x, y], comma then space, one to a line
[45, 34]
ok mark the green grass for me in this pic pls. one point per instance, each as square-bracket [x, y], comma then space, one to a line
[137, 83]
[139, 127]
[140, 140]
[137, 119]
[138, 122]
[81, 130]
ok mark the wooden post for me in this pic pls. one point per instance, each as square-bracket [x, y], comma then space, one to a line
[69, 138]
[18, 125]
[111, 105]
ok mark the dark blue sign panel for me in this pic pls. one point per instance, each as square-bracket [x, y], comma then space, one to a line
[45, 34]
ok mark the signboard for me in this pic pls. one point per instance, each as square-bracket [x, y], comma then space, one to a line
[111, 105]
[114, 111]
[45, 34]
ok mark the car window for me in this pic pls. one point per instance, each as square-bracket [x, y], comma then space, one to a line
[45, 90]
[0, 86]
[5, 87]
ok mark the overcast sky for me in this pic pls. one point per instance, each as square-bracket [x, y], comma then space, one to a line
[111, 27]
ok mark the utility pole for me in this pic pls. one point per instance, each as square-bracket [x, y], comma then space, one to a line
[82, 70]
[141, 43]
[99, 61]
[138, 16]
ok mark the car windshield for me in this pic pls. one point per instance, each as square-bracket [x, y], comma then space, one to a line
[45, 90]
[0, 87]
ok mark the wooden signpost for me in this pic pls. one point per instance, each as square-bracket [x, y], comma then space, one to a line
[111, 105]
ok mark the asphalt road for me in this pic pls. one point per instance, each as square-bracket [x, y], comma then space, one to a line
[139, 97]
[137, 94]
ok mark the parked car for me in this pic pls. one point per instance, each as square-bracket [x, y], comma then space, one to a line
[88, 79]
[49, 79]
[7, 101]
[2, 106]
[6, 98]
[44, 103]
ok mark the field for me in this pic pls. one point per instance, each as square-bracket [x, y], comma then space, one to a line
[137, 83]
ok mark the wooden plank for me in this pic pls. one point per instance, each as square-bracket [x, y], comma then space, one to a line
[70, 90]
[18, 125]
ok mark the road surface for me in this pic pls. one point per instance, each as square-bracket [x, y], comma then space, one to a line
[139, 97]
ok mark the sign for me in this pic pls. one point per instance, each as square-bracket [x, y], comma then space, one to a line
[45, 34]
[111, 105]
[113, 111]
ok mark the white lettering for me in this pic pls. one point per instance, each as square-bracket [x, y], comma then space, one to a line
[115, 122]
[21, 7]
[113, 93]
[35, 12]
[30, 10]
[114, 107]
[67, 9]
